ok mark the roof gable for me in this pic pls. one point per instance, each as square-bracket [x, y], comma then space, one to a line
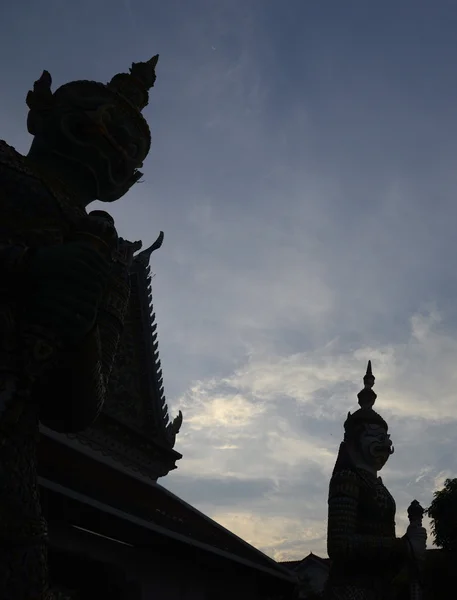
[311, 559]
[134, 426]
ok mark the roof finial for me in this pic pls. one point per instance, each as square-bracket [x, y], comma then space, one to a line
[176, 423]
[145, 255]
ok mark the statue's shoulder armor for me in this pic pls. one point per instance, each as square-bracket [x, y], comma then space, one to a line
[15, 175]
[25, 201]
[10, 157]
[13, 165]
[344, 482]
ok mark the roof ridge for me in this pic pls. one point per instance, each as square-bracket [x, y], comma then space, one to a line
[221, 528]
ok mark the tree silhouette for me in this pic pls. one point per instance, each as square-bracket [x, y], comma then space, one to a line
[443, 514]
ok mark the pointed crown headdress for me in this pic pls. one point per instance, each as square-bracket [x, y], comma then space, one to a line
[131, 90]
[365, 415]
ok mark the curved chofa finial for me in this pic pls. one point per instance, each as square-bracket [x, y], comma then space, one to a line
[367, 396]
[145, 255]
[133, 86]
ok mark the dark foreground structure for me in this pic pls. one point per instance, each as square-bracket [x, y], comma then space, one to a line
[113, 531]
[84, 427]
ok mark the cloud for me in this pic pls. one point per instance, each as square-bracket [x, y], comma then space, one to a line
[305, 180]
[272, 428]
[276, 536]
[231, 412]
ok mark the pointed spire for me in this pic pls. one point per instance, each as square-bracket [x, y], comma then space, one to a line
[369, 378]
[367, 396]
[365, 414]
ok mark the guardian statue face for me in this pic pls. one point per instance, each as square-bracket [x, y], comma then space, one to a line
[366, 435]
[375, 446]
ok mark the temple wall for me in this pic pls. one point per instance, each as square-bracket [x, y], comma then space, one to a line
[190, 581]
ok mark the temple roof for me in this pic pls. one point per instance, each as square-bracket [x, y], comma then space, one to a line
[119, 458]
[131, 497]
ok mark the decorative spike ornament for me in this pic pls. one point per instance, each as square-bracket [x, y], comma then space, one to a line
[367, 396]
[135, 85]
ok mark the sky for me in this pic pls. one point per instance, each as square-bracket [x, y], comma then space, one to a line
[303, 169]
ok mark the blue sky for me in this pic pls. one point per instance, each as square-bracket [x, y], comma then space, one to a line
[303, 170]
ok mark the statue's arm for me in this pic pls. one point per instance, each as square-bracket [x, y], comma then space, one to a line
[71, 394]
[343, 541]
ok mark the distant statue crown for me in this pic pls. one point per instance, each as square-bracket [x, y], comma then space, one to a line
[365, 414]
[131, 88]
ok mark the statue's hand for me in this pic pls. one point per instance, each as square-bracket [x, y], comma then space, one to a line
[66, 286]
[417, 537]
